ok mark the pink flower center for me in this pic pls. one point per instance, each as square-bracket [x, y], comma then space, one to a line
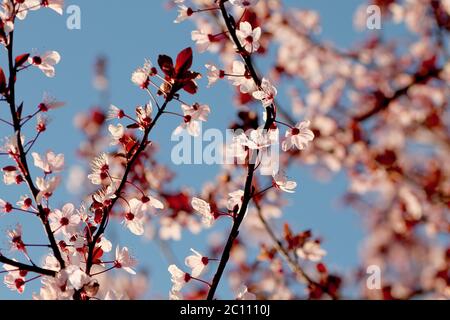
[129, 216]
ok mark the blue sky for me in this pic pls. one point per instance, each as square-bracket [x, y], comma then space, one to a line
[126, 32]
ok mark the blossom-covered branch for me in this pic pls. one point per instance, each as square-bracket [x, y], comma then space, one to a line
[248, 190]
[19, 154]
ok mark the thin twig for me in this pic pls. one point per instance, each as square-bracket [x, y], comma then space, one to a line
[143, 144]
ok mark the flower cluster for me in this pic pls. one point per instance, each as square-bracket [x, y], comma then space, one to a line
[376, 113]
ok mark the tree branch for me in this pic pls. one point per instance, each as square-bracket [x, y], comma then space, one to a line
[22, 159]
[26, 267]
[383, 102]
[293, 265]
[143, 144]
[248, 191]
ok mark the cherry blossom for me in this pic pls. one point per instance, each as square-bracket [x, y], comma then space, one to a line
[204, 210]
[214, 74]
[235, 199]
[178, 278]
[49, 103]
[124, 260]
[65, 220]
[117, 133]
[197, 263]
[256, 140]
[100, 170]
[77, 278]
[141, 77]
[15, 237]
[184, 12]
[25, 7]
[46, 187]
[193, 115]
[25, 202]
[202, 39]
[51, 163]
[55, 5]
[115, 113]
[299, 136]
[105, 195]
[244, 3]
[46, 62]
[5, 15]
[134, 218]
[249, 37]
[10, 145]
[266, 94]
[281, 182]
[241, 78]
[151, 202]
[11, 176]
[5, 207]
[144, 115]
[105, 244]
[312, 251]
[14, 279]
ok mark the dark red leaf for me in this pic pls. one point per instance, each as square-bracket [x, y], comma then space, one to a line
[166, 65]
[178, 202]
[98, 253]
[130, 146]
[2, 81]
[191, 75]
[190, 87]
[20, 60]
[184, 61]
[9, 168]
